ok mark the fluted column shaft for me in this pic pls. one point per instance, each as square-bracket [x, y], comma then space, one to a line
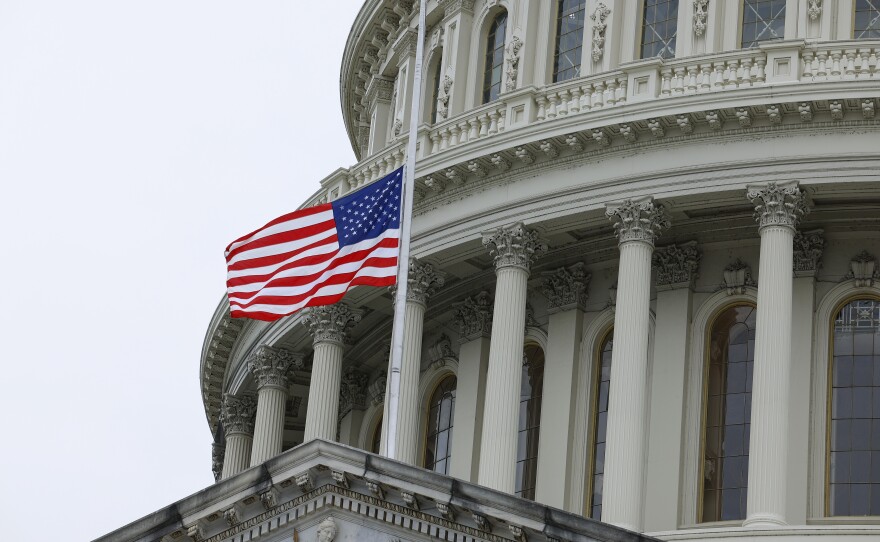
[778, 209]
[409, 411]
[323, 409]
[238, 454]
[269, 430]
[514, 248]
[637, 224]
[237, 417]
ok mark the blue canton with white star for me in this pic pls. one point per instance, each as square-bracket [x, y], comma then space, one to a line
[367, 213]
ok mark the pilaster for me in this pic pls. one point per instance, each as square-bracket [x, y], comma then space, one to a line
[458, 21]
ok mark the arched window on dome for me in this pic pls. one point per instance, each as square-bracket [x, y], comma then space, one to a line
[853, 464]
[376, 439]
[728, 400]
[436, 77]
[493, 71]
[659, 28]
[867, 20]
[569, 39]
[762, 20]
[529, 421]
[601, 387]
[438, 443]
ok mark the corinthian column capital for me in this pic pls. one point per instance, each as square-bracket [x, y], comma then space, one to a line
[271, 366]
[474, 317]
[566, 288]
[237, 414]
[778, 204]
[422, 281]
[637, 220]
[330, 323]
[514, 246]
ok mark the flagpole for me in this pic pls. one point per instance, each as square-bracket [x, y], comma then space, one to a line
[403, 259]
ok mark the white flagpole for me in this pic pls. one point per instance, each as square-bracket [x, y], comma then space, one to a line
[403, 259]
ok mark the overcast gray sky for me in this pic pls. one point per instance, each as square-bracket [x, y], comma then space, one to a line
[137, 138]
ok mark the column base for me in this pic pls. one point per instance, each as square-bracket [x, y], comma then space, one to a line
[764, 521]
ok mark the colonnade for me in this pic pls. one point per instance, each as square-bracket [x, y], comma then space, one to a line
[253, 426]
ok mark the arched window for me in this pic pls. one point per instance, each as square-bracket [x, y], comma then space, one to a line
[493, 73]
[763, 20]
[438, 446]
[569, 39]
[854, 461]
[600, 425]
[529, 421]
[435, 94]
[867, 20]
[728, 414]
[659, 28]
[376, 441]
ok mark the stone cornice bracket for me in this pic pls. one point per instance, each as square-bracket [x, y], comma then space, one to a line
[514, 246]
[423, 280]
[863, 270]
[271, 366]
[737, 276]
[238, 414]
[352, 391]
[677, 266]
[778, 204]
[701, 12]
[474, 317]
[808, 248]
[599, 16]
[330, 323]
[566, 288]
[639, 220]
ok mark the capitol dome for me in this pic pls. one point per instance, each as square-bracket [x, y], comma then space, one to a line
[644, 287]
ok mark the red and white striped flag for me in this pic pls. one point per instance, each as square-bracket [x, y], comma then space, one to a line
[313, 256]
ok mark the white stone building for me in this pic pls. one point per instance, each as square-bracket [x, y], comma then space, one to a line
[645, 289]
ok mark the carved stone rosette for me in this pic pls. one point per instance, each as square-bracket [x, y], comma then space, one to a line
[237, 414]
[423, 280]
[331, 323]
[514, 246]
[474, 317]
[352, 392]
[808, 252]
[778, 204]
[271, 366]
[637, 220]
[566, 288]
[677, 264]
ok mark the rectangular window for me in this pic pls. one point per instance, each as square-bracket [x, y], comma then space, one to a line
[867, 20]
[569, 40]
[659, 28]
[763, 20]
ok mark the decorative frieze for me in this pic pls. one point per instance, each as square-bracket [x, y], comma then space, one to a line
[330, 323]
[514, 246]
[737, 276]
[778, 204]
[863, 270]
[474, 317]
[271, 366]
[808, 252]
[238, 413]
[352, 391]
[600, 24]
[677, 265]
[701, 12]
[566, 288]
[639, 220]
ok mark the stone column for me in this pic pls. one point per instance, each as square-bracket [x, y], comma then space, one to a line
[514, 249]
[270, 367]
[422, 281]
[237, 417]
[676, 267]
[637, 224]
[329, 328]
[778, 209]
[566, 289]
[474, 320]
[352, 403]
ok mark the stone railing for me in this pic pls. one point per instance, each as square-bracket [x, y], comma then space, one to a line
[642, 84]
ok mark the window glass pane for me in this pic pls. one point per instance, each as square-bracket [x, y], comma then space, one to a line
[867, 20]
[569, 39]
[659, 28]
[854, 457]
[494, 58]
[763, 20]
[438, 445]
[529, 421]
[600, 389]
[728, 414]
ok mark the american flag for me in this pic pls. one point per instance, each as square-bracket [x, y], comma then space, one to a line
[313, 256]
